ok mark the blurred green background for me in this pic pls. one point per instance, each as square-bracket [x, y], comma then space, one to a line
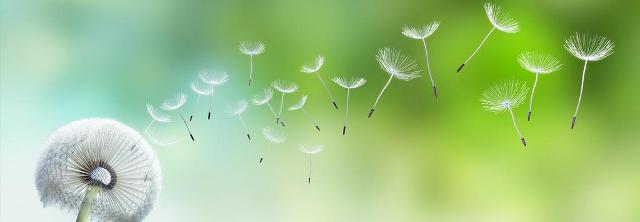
[416, 159]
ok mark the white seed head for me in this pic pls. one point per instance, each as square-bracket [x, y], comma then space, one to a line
[310, 149]
[299, 104]
[273, 136]
[284, 87]
[499, 19]
[251, 48]
[214, 79]
[107, 155]
[504, 95]
[349, 84]
[262, 99]
[238, 108]
[198, 89]
[174, 103]
[539, 63]
[589, 47]
[311, 68]
[157, 116]
[420, 32]
[396, 64]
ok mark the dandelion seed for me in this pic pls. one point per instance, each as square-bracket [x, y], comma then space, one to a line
[310, 150]
[251, 49]
[173, 105]
[348, 84]
[505, 96]
[421, 34]
[284, 88]
[315, 68]
[200, 91]
[500, 20]
[155, 117]
[265, 98]
[216, 79]
[587, 47]
[273, 137]
[537, 64]
[300, 106]
[101, 169]
[237, 110]
[398, 66]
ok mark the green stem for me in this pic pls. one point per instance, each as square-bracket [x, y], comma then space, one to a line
[89, 198]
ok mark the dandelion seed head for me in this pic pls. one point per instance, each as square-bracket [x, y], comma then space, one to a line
[539, 63]
[273, 136]
[157, 116]
[284, 87]
[299, 104]
[262, 99]
[251, 48]
[349, 84]
[198, 89]
[501, 20]
[420, 32]
[174, 103]
[107, 155]
[504, 95]
[311, 68]
[310, 149]
[214, 79]
[589, 47]
[237, 108]
[396, 64]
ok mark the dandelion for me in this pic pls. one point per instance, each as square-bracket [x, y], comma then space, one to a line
[156, 117]
[300, 106]
[310, 150]
[537, 64]
[174, 104]
[398, 66]
[505, 96]
[315, 68]
[587, 47]
[265, 98]
[237, 110]
[500, 20]
[251, 49]
[421, 34]
[284, 88]
[101, 169]
[216, 79]
[200, 91]
[273, 137]
[348, 84]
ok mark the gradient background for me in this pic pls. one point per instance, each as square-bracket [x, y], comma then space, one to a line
[416, 159]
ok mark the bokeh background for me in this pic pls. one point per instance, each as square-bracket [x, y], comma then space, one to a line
[417, 159]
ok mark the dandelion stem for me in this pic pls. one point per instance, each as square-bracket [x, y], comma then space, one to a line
[309, 178]
[477, 49]
[186, 125]
[244, 126]
[195, 106]
[533, 90]
[346, 113]
[327, 89]
[513, 118]
[584, 70]
[87, 203]
[210, 104]
[250, 68]
[380, 95]
[311, 118]
[426, 53]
